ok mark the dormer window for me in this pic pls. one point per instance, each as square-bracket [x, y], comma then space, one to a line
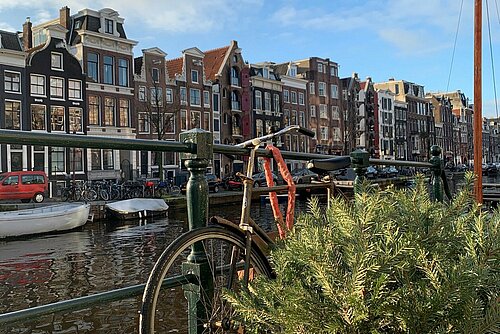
[293, 71]
[108, 26]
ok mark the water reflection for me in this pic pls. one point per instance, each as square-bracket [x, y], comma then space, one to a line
[99, 257]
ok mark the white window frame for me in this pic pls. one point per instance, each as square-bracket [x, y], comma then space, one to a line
[169, 95]
[192, 94]
[53, 65]
[312, 110]
[73, 90]
[44, 117]
[206, 98]
[141, 93]
[195, 72]
[322, 89]
[312, 89]
[147, 127]
[301, 99]
[43, 85]
[63, 119]
[183, 95]
[19, 84]
[57, 97]
[334, 91]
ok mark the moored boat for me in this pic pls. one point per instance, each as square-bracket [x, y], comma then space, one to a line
[60, 217]
[137, 208]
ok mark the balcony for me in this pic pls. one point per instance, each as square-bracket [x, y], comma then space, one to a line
[237, 131]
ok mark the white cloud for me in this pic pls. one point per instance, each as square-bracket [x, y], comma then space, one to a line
[6, 27]
[405, 24]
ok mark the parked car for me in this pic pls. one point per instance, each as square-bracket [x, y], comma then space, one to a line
[304, 175]
[24, 185]
[371, 172]
[389, 171]
[259, 180]
[214, 183]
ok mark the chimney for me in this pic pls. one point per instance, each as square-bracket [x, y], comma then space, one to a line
[355, 75]
[64, 17]
[391, 79]
[27, 34]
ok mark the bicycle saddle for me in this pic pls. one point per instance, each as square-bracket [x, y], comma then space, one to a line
[327, 165]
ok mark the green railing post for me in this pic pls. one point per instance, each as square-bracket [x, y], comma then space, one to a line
[360, 160]
[437, 168]
[197, 209]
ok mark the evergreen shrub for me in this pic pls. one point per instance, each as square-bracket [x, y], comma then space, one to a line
[389, 262]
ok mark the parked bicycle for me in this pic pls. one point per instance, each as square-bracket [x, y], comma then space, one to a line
[222, 256]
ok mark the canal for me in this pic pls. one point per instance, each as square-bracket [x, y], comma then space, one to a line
[99, 257]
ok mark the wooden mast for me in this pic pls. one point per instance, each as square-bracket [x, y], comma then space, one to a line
[478, 119]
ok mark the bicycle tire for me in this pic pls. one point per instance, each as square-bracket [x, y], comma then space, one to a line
[103, 193]
[65, 195]
[175, 190]
[168, 313]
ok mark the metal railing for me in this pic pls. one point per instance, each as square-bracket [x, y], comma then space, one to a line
[197, 148]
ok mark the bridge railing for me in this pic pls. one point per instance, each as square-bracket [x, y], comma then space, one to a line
[197, 148]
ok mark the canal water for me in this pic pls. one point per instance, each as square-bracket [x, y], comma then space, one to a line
[99, 257]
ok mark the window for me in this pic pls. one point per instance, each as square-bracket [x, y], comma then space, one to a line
[142, 93]
[37, 85]
[57, 118]
[277, 103]
[13, 115]
[56, 62]
[323, 111]
[206, 98]
[155, 75]
[183, 120]
[194, 76]
[108, 70]
[169, 123]
[102, 159]
[286, 117]
[292, 71]
[143, 122]
[334, 91]
[396, 89]
[320, 68]
[156, 96]
[195, 119]
[94, 110]
[194, 97]
[169, 95]
[216, 124]
[76, 159]
[38, 117]
[302, 119]
[56, 88]
[322, 89]
[259, 127]
[124, 112]
[12, 82]
[235, 101]
[206, 121]
[286, 96]
[108, 26]
[123, 72]
[313, 111]
[235, 77]
[294, 117]
[57, 160]
[75, 119]
[293, 97]
[311, 88]
[183, 95]
[301, 99]
[93, 66]
[258, 100]
[109, 111]
[324, 133]
[335, 113]
[216, 102]
[333, 71]
[74, 89]
[267, 101]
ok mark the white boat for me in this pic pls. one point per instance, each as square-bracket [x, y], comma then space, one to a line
[137, 208]
[44, 219]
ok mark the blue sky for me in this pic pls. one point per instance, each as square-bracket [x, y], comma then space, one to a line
[405, 39]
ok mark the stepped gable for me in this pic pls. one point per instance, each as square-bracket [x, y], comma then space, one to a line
[213, 61]
[174, 66]
[10, 40]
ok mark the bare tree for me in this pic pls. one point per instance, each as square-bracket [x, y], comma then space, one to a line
[159, 115]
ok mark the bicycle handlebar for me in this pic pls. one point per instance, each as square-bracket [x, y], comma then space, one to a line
[255, 142]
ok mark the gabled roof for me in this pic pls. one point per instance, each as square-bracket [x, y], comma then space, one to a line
[10, 40]
[174, 66]
[213, 61]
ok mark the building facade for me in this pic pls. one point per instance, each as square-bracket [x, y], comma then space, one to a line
[386, 124]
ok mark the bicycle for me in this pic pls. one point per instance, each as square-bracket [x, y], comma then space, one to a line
[168, 187]
[223, 254]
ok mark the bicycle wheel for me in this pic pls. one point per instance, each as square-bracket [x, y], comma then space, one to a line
[103, 193]
[65, 195]
[175, 190]
[165, 309]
